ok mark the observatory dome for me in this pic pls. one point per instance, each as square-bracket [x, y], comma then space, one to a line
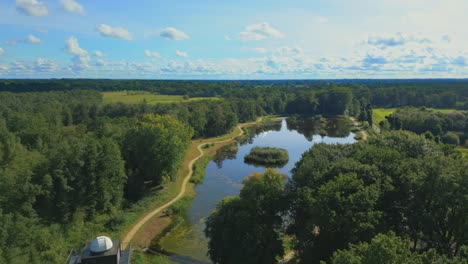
[101, 244]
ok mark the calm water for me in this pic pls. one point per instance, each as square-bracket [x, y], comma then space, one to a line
[224, 177]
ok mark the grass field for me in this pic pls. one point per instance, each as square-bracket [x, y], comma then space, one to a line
[464, 151]
[378, 114]
[136, 97]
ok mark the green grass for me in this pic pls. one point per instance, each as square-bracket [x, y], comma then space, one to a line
[199, 169]
[464, 151]
[136, 97]
[378, 114]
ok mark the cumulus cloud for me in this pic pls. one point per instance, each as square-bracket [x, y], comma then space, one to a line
[152, 54]
[3, 68]
[32, 7]
[387, 41]
[1, 51]
[80, 56]
[460, 61]
[173, 34]
[45, 65]
[33, 39]
[446, 38]
[98, 53]
[181, 54]
[395, 40]
[71, 6]
[289, 51]
[259, 32]
[114, 32]
[100, 62]
[190, 67]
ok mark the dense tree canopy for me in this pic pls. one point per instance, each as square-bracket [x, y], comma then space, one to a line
[347, 194]
[245, 229]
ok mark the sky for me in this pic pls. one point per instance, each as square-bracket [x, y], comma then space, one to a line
[242, 39]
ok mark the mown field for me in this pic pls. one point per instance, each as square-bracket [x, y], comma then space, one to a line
[378, 114]
[464, 151]
[136, 97]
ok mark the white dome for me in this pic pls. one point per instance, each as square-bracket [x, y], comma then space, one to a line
[101, 244]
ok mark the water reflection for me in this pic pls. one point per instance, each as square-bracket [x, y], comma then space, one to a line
[225, 173]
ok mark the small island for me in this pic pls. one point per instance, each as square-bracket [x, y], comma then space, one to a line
[267, 156]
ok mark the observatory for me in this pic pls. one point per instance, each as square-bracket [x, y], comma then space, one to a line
[102, 250]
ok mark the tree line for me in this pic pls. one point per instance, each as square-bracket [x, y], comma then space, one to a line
[450, 128]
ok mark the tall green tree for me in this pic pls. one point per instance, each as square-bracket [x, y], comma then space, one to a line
[246, 229]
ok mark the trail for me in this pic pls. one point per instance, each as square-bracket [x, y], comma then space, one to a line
[363, 132]
[147, 217]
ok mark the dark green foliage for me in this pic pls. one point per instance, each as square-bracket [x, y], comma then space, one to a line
[271, 157]
[389, 249]
[153, 151]
[395, 182]
[422, 120]
[451, 138]
[199, 169]
[245, 229]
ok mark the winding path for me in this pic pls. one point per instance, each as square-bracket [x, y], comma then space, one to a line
[147, 217]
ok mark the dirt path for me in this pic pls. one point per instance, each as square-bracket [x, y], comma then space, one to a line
[147, 217]
[361, 132]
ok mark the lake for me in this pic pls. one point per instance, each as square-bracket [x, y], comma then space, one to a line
[225, 173]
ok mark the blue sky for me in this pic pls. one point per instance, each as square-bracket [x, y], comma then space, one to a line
[214, 39]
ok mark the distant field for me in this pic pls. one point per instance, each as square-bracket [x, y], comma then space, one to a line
[135, 97]
[378, 114]
[464, 151]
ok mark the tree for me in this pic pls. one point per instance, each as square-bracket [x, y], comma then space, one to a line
[153, 152]
[389, 249]
[245, 229]
[451, 138]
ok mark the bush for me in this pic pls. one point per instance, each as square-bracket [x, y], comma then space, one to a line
[451, 138]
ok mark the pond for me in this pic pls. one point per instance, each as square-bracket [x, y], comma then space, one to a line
[225, 173]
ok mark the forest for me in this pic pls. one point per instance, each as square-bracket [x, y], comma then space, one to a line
[71, 166]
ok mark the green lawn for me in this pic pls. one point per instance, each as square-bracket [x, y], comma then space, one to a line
[464, 151]
[378, 114]
[136, 97]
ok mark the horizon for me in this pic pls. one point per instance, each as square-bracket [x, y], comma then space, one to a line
[246, 40]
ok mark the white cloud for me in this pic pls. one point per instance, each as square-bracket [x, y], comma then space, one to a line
[33, 39]
[153, 54]
[80, 56]
[32, 7]
[288, 51]
[387, 40]
[71, 6]
[100, 62]
[1, 51]
[259, 32]
[260, 50]
[3, 68]
[45, 65]
[181, 54]
[98, 53]
[114, 32]
[173, 34]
